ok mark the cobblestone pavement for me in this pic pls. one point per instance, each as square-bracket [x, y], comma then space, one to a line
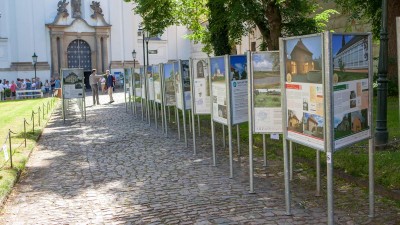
[115, 169]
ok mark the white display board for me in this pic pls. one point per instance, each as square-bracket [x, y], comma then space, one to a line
[351, 88]
[185, 73]
[304, 65]
[143, 82]
[219, 90]
[266, 92]
[136, 82]
[347, 79]
[128, 80]
[238, 88]
[201, 87]
[150, 83]
[182, 84]
[157, 83]
[178, 86]
[72, 83]
[169, 84]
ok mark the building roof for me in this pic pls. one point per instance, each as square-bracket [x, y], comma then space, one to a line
[312, 119]
[352, 41]
[300, 45]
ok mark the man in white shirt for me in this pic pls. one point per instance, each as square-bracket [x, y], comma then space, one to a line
[93, 80]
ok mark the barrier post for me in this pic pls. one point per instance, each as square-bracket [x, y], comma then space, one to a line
[39, 115]
[9, 141]
[33, 122]
[25, 131]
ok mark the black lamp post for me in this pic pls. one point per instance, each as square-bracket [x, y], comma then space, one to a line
[142, 31]
[134, 60]
[381, 133]
[147, 37]
[34, 59]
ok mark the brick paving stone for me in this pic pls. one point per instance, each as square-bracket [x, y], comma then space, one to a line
[116, 169]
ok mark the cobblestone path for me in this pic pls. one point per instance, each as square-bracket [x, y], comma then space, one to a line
[115, 169]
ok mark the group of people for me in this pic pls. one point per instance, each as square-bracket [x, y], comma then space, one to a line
[27, 84]
[109, 83]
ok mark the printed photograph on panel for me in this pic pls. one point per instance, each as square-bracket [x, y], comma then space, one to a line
[303, 59]
[201, 71]
[217, 69]
[238, 70]
[350, 57]
[295, 121]
[169, 84]
[137, 79]
[266, 79]
[185, 75]
[149, 72]
[313, 125]
[342, 125]
[156, 73]
[177, 78]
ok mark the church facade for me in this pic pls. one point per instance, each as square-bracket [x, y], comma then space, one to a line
[78, 34]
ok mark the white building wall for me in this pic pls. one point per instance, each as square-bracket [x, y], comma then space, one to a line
[23, 31]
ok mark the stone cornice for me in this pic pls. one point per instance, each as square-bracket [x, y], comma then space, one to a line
[56, 24]
[28, 66]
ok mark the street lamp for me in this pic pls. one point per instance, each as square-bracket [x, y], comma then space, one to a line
[146, 35]
[141, 31]
[134, 59]
[381, 132]
[34, 59]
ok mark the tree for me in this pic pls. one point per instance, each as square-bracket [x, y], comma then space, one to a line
[229, 20]
[277, 18]
[218, 27]
[371, 12]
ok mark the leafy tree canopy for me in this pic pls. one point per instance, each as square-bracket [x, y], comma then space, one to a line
[367, 10]
[222, 23]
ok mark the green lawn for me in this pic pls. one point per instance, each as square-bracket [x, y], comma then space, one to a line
[352, 160]
[13, 114]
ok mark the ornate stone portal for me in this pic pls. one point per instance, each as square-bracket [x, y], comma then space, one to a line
[76, 8]
[78, 44]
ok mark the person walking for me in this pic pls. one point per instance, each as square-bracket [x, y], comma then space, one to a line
[110, 85]
[93, 80]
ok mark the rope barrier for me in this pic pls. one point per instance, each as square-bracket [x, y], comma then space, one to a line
[12, 151]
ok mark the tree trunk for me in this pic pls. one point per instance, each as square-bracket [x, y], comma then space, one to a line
[393, 12]
[273, 15]
[218, 27]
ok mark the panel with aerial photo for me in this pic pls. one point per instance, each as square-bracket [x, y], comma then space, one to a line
[266, 79]
[303, 59]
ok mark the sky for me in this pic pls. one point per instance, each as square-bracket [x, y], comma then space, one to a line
[319, 119]
[167, 70]
[217, 63]
[238, 62]
[313, 44]
[337, 42]
[264, 61]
